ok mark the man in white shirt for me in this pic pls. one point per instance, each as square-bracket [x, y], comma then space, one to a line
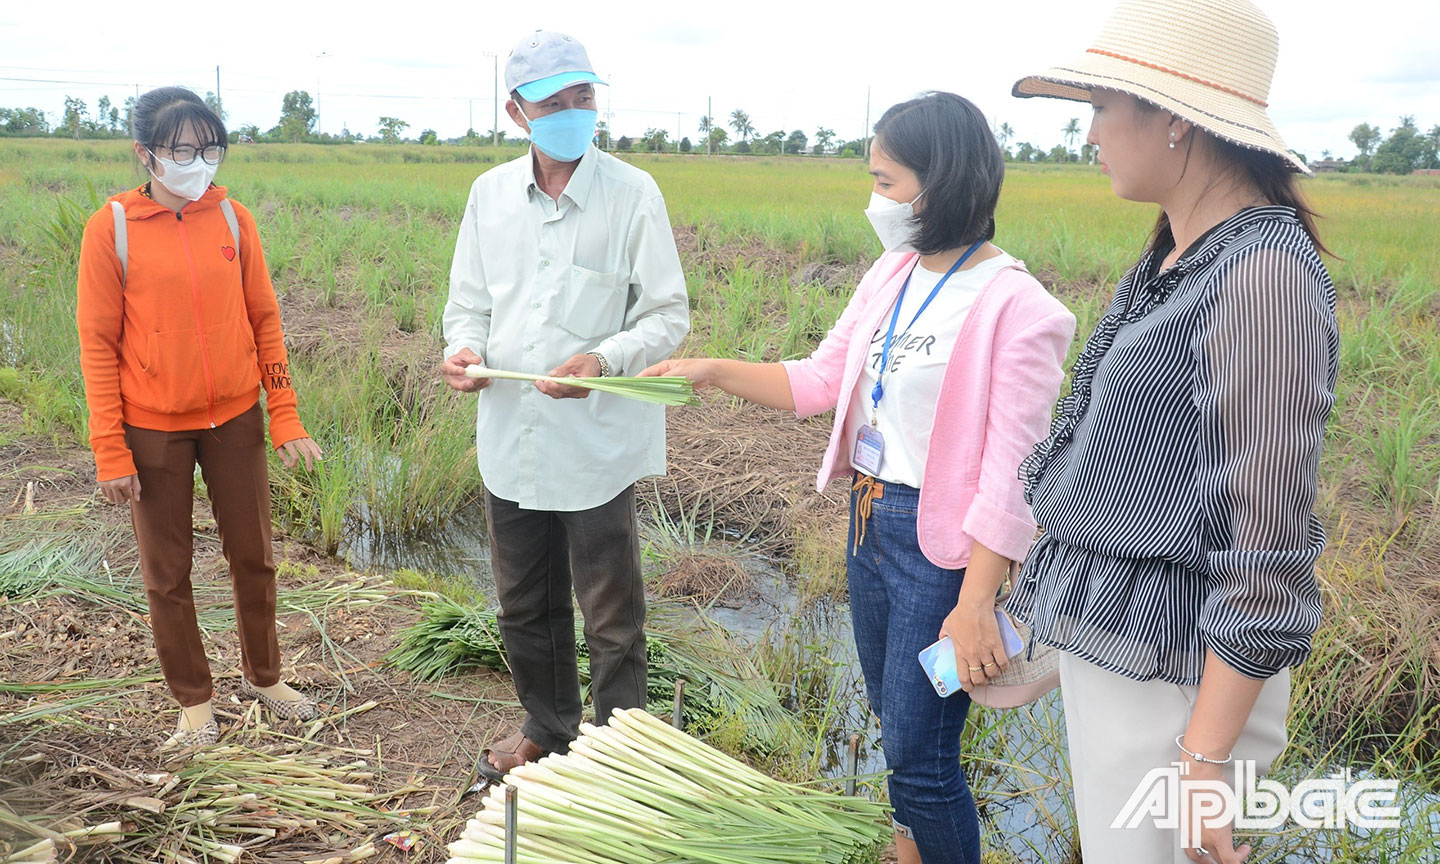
[565, 264]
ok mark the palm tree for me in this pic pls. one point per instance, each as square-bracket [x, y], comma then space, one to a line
[706, 124]
[1071, 132]
[823, 138]
[740, 122]
[1005, 134]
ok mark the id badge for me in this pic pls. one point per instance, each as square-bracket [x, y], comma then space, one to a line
[869, 448]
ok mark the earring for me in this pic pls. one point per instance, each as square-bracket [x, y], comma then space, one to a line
[1172, 140]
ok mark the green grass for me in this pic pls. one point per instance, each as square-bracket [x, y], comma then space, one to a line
[358, 241]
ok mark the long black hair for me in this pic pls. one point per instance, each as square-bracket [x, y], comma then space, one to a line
[944, 139]
[1267, 173]
[162, 114]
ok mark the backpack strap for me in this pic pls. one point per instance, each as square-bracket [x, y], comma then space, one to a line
[229, 210]
[122, 239]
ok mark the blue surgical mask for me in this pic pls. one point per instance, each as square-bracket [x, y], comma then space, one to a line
[564, 135]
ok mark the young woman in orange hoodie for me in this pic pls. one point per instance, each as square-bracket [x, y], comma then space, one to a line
[179, 332]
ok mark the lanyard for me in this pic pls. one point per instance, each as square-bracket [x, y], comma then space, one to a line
[878, 392]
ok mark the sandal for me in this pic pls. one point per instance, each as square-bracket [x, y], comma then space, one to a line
[510, 753]
[204, 736]
[302, 709]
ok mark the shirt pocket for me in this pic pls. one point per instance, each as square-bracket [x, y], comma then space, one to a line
[592, 305]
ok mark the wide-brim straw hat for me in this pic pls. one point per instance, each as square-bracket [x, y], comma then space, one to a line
[1207, 61]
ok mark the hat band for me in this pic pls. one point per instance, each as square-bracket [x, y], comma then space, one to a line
[1232, 91]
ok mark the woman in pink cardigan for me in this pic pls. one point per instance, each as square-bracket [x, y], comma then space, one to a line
[942, 372]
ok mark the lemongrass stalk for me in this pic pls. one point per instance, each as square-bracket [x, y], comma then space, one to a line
[104, 829]
[612, 739]
[40, 852]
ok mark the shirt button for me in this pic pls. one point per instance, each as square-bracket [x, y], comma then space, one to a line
[544, 262]
[535, 305]
[530, 347]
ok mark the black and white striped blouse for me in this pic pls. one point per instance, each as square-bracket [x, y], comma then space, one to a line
[1176, 491]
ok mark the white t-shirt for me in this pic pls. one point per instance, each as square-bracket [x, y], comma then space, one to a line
[918, 357]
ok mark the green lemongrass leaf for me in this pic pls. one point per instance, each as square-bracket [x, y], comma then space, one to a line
[663, 390]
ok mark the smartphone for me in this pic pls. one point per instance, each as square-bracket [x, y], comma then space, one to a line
[938, 659]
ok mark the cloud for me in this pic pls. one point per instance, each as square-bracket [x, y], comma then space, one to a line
[679, 33]
[1413, 67]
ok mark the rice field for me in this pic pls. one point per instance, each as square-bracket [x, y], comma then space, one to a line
[358, 241]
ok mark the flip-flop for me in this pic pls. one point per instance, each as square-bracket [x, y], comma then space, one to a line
[512, 752]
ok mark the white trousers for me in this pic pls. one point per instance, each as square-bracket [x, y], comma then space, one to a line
[1119, 729]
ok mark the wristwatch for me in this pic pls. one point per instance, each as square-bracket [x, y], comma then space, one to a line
[604, 364]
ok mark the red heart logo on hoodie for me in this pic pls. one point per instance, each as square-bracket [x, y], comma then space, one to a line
[228, 252]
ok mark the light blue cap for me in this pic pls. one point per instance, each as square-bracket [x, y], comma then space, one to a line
[546, 62]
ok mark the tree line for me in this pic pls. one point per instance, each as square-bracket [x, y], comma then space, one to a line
[1406, 149]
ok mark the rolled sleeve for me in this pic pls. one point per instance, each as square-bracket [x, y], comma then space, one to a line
[658, 314]
[1029, 369]
[1266, 361]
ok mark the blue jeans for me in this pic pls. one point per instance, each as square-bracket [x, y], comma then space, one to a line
[898, 601]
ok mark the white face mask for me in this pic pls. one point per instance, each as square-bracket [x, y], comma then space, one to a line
[187, 181]
[893, 221]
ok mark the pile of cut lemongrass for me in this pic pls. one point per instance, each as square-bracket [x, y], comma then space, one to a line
[639, 791]
[663, 390]
[229, 804]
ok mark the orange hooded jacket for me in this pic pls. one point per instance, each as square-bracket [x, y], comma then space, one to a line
[187, 338]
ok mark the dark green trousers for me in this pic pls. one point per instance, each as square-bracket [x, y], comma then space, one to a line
[539, 557]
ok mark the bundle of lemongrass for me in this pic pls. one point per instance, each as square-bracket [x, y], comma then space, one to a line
[665, 390]
[639, 791]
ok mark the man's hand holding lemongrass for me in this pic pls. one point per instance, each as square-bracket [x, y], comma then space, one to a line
[579, 366]
[453, 369]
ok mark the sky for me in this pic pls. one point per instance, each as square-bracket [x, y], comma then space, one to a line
[789, 65]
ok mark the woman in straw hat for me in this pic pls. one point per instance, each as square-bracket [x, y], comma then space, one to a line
[1176, 490]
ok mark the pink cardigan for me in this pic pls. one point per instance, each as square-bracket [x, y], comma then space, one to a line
[995, 404]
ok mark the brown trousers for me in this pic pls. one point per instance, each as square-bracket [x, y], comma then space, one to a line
[538, 558]
[232, 461]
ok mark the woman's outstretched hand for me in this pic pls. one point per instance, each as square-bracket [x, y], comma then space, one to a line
[700, 371]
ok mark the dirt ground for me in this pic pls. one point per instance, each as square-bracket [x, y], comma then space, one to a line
[425, 735]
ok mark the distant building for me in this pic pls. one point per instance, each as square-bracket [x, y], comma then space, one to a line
[1328, 166]
[1430, 172]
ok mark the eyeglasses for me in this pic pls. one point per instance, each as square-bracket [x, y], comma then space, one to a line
[184, 154]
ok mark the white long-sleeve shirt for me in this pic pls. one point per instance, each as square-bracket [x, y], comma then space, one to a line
[535, 281]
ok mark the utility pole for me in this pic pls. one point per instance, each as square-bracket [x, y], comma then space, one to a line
[677, 131]
[866, 136]
[472, 114]
[319, 127]
[710, 120]
[495, 92]
[219, 105]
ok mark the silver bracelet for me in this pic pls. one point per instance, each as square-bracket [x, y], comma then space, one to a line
[604, 364]
[1198, 757]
